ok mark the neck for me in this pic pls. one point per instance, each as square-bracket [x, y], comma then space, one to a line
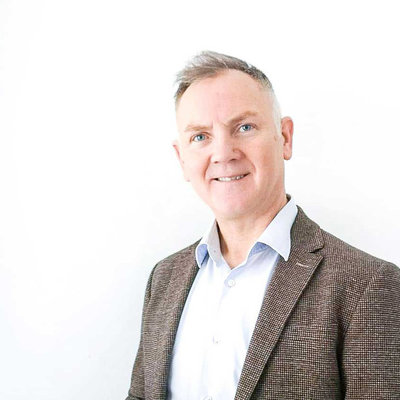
[238, 235]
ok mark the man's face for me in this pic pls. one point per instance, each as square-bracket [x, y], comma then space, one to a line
[229, 146]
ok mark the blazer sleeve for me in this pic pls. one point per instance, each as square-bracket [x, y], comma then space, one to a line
[371, 348]
[137, 391]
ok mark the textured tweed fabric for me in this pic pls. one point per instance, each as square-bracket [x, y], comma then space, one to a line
[329, 325]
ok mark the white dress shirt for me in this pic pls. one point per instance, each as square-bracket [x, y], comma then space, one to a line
[221, 311]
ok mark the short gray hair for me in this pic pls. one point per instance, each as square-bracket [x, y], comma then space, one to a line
[210, 63]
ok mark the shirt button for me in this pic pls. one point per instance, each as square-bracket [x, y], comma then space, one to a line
[231, 283]
[216, 340]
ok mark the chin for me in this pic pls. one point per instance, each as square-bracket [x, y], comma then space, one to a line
[231, 210]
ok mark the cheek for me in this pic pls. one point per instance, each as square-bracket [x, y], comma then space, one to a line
[269, 164]
[195, 167]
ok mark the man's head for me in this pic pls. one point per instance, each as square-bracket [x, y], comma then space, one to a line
[232, 143]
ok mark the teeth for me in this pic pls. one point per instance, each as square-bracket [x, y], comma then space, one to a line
[233, 178]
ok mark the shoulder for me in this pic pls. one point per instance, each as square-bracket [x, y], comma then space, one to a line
[345, 273]
[335, 252]
[182, 256]
[357, 279]
[181, 259]
[349, 259]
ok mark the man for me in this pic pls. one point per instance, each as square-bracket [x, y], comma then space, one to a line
[267, 305]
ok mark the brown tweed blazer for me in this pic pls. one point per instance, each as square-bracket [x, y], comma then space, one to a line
[329, 325]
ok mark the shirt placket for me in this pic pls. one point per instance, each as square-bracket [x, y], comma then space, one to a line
[219, 341]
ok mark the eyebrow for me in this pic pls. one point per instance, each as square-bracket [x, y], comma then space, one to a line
[234, 120]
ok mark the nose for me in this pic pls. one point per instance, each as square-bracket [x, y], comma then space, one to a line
[225, 148]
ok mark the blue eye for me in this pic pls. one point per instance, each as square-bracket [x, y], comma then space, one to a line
[199, 138]
[245, 128]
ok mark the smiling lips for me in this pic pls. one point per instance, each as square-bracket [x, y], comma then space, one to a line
[230, 178]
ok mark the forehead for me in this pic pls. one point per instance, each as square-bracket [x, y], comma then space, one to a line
[221, 97]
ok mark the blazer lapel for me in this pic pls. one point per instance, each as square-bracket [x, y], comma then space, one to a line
[286, 286]
[183, 272]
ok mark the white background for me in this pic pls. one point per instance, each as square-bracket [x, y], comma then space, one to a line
[91, 196]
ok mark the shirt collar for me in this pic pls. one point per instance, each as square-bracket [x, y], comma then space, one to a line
[276, 235]
[209, 245]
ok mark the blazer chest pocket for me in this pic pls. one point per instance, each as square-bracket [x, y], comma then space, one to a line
[303, 364]
[308, 333]
[308, 346]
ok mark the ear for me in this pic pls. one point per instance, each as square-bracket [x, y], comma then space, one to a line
[287, 134]
[175, 145]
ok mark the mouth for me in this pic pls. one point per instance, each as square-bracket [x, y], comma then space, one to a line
[230, 178]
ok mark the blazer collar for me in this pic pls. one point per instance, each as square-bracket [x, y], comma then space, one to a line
[287, 284]
[183, 269]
